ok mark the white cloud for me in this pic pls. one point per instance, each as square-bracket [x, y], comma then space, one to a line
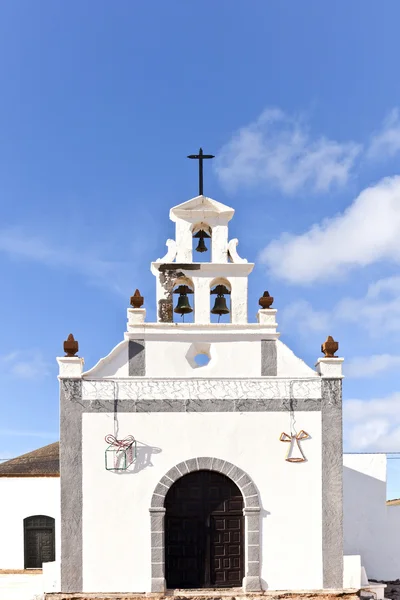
[378, 312]
[373, 425]
[369, 366]
[366, 232]
[386, 142]
[25, 364]
[277, 149]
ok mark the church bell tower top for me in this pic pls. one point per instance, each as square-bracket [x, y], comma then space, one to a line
[201, 265]
[201, 208]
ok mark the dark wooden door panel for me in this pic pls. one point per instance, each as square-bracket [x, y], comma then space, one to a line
[46, 542]
[32, 550]
[204, 532]
[227, 554]
[184, 551]
[39, 541]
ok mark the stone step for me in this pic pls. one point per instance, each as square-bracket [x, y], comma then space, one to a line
[214, 595]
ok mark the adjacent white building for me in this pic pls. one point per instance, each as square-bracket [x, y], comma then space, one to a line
[30, 509]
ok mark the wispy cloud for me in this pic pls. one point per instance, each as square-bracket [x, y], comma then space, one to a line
[370, 366]
[19, 244]
[277, 149]
[367, 232]
[385, 143]
[373, 425]
[25, 364]
[377, 311]
[6, 455]
[302, 314]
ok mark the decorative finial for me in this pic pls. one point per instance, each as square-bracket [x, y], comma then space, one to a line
[266, 300]
[200, 157]
[70, 346]
[330, 347]
[137, 300]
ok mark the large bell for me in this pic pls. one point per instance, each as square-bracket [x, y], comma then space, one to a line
[183, 306]
[220, 307]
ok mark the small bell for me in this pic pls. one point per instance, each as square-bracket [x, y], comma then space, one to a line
[201, 247]
[183, 306]
[220, 307]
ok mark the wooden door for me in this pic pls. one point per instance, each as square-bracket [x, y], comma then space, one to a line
[39, 541]
[204, 532]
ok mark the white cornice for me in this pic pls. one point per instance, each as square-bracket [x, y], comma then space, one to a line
[205, 269]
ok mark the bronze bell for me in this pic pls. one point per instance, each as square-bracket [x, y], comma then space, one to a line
[201, 247]
[183, 306]
[220, 307]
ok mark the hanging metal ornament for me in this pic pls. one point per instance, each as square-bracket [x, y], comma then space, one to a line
[295, 452]
[120, 454]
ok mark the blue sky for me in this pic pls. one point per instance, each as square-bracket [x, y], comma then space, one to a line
[100, 104]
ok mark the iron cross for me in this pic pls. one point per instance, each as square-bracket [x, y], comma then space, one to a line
[200, 157]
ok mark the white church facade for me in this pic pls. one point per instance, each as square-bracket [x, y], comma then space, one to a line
[203, 453]
[213, 497]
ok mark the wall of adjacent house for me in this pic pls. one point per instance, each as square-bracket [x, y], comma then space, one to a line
[116, 519]
[393, 538]
[371, 528]
[22, 497]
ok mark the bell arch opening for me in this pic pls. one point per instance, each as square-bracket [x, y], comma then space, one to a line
[201, 247]
[249, 536]
[220, 301]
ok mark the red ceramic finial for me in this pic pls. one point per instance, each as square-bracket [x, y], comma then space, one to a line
[71, 346]
[137, 300]
[330, 347]
[266, 300]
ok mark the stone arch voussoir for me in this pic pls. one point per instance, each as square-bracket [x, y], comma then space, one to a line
[237, 475]
[252, 508]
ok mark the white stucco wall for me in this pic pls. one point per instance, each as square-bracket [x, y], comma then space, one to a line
[290, 365]
[116, 555]
[167, 356]
[22, 497]
[371, 528]
[169, 359]
[392, 567]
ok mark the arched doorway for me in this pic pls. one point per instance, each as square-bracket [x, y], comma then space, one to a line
[204, 532]
[39, 541]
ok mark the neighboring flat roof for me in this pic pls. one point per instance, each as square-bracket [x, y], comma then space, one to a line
[43, 462]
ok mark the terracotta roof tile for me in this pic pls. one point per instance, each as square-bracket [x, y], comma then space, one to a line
[44, 461]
